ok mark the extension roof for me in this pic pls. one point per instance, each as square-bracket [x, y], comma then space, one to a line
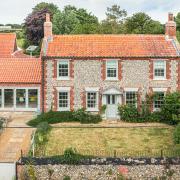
[20, 70]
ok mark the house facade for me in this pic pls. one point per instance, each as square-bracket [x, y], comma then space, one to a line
[89, 71]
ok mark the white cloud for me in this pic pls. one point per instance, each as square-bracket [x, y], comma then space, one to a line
[15, 11]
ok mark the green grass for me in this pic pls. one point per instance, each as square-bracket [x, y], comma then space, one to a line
[126, 141]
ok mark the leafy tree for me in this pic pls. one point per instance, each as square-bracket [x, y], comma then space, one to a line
[116, 14]
[177, 20]
[74, 21]
[113, 24]
[52, 8]
[141, 23]
[33, 27]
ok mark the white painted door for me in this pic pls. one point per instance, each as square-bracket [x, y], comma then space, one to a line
[112, 106]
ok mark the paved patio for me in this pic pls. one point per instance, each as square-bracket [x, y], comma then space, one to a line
[16, 137]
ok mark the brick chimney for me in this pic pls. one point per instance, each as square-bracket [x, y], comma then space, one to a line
[48, 27]
[170, 27]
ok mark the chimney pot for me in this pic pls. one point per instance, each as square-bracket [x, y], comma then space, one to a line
[170, 17]
[170, 27]
[48, 27]
[47, 17]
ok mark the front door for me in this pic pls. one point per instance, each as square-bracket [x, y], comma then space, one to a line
[112, 106]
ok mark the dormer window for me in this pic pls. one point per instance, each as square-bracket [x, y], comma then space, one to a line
[63, 70]
[111, 70]
[159, 70]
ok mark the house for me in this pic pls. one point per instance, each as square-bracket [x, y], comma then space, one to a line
[88, 71]
[20, 77]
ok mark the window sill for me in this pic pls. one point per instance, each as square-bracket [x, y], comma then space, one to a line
[159, 79]
[109, 79]
[63, 79]
[63, 109]
[92, 110]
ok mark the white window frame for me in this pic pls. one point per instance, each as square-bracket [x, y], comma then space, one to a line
[160, 90]
[15, 108]
[66, 90]
[157, 77]
[133, 90]
[64, 77]
[92, 90]
[117, 70]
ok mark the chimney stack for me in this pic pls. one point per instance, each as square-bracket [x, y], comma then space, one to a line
[170, 27]
[48, 27]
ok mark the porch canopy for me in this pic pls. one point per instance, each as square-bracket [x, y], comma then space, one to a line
[111, 91]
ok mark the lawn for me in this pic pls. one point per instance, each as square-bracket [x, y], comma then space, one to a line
[103, 141]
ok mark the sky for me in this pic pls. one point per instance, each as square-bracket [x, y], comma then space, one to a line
[15, 11]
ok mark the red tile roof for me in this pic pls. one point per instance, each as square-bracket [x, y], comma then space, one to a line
[7, 44]
[111, 46]
[20, 70]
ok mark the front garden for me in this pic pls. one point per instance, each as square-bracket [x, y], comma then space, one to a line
[147, 141]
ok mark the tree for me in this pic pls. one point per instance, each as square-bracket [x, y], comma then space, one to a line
[33, 27]
[52, 8]
[113, 24]
[177, 20]
[74, 21]
[115, 14]
[141, 23]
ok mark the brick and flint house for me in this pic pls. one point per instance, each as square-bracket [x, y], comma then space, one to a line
[88, 71]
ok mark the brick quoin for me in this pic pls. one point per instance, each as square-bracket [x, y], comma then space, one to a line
[150, 93]
[55, 69]
[168, 69]
[103, 70]
[150, 69]
[72, 98]
[178, 74]
[55, 100]
[139, 103]
[72, 69]
[119, 70]
[83, 99]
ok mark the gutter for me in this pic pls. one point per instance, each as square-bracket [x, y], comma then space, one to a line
[108, 57]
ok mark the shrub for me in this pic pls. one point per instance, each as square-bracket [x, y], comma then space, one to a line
[41, 136]
[86, 117]
[176, 134]
[171, 108]
[129, 113]
[52, 117]
[67, 116]
[71, 156]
